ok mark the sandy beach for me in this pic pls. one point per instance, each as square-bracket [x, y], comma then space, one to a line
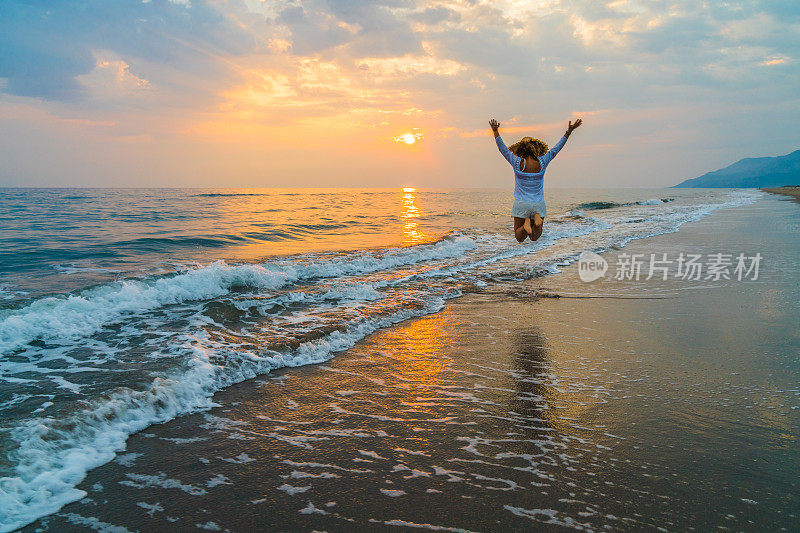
[653, 405]
[792, 191]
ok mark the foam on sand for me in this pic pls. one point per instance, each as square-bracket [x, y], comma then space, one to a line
[54, 456]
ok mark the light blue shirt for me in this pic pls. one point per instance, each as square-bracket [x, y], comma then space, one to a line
[529, 186]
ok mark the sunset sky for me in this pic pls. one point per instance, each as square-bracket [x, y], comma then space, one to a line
[386, 94]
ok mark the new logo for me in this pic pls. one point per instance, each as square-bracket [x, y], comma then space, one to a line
[591, 266]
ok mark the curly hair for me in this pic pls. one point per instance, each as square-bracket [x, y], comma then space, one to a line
[529, 147]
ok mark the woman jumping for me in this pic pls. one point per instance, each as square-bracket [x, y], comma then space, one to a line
[530, 158]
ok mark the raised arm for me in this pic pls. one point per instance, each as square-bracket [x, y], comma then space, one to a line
[546, 158]
[495, 127]
[513, 160]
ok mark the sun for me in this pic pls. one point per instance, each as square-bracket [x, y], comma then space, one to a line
[409, 138]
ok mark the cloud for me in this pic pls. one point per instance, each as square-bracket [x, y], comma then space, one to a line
[188, 74]
[313, 32]
[45, 46]
[435, 15]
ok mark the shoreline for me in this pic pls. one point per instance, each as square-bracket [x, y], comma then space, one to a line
[499, 409]
[792, 191]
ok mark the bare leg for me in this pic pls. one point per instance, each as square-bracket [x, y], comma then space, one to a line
[519, 228]
[538, 226]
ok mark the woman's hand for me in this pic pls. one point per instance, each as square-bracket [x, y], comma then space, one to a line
[573, 126]
[495, 126]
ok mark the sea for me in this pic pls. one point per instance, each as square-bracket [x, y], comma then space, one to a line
[125, 308]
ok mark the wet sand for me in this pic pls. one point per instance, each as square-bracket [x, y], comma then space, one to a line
[679, 411]
[789, 190]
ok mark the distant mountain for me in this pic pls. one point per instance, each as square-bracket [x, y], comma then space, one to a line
[752, 172]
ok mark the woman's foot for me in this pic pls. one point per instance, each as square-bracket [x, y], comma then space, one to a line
[538, 225]
[527, 226]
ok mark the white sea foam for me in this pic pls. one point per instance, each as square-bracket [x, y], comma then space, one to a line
[54, 319]
[50, 462]
[151, 508]
[291, 490]
[141, 481]
[672, 221]
[549, 516]
[96, 524]
[7, 293]
[75, 316]
[127, 459]
[75, 268]
[218, 479]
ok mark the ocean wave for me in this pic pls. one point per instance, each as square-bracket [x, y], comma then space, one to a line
[241, 194]
[671, 222]
[5, 293]
[232, 194]
[76, 268]
[592, 206]
[56, 319]
[598, 205]
[55, 455]
[575, 214]
[651, 201]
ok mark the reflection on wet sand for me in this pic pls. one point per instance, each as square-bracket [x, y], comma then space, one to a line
[534, 391]
[418, 361]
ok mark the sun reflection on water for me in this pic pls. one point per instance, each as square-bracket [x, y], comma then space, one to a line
[409, 212]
